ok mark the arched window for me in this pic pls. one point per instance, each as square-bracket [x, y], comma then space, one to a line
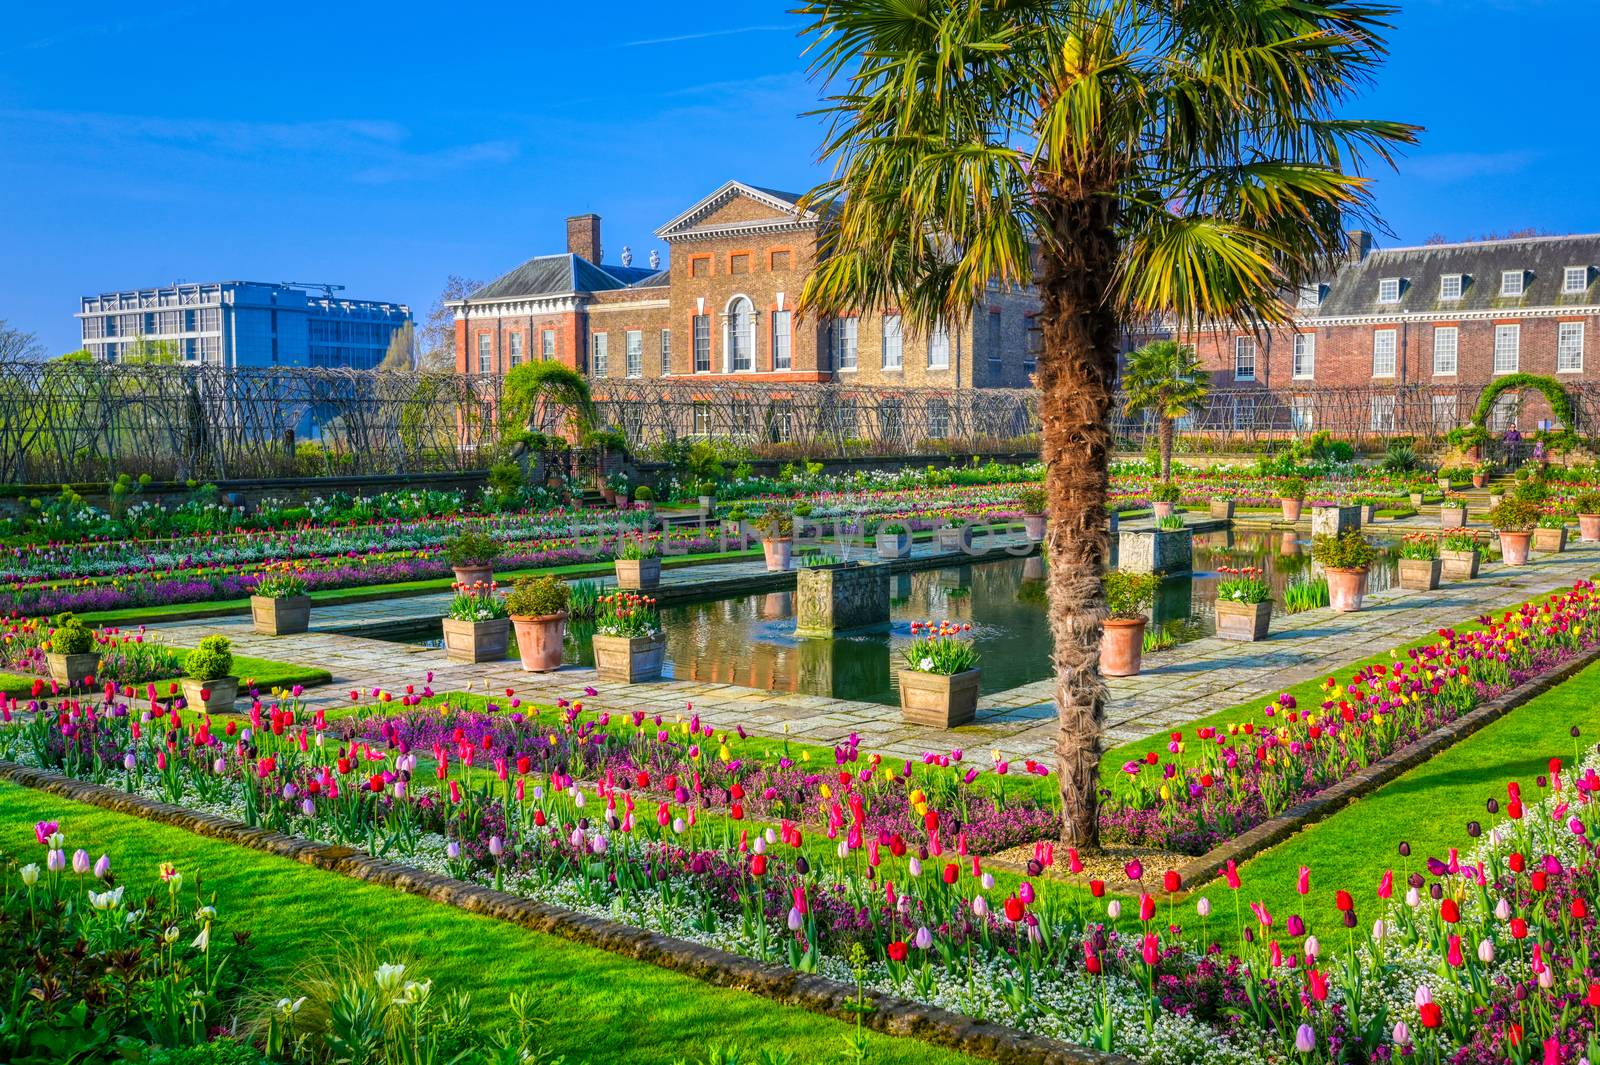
[741, 340]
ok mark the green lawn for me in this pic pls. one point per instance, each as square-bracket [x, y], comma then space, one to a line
[264, 673]
[605, 1008]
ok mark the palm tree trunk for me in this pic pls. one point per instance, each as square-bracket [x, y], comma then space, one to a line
[1166, 449]
[1076, 375]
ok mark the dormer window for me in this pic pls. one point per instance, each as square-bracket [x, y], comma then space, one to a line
[1389, 290]
[1450, 287]
[1511, 282]
[1575, 280]
[1310, 297]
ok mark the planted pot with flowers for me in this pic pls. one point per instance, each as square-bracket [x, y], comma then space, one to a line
[477, 625]
[1244, 604]
[1420, 564]
[1514, 520]
[893, 540]
[1292, 497]
[777, 539]
[1588, 507]
[939, 682]
[472, 557]
[71, 653]
[1128, 596]
[638, 564]
[1453, 513]
[1480, 474]
[1551, 534]
[537, 607]
[1164, 499]
[706, 493]
[1460, 555]
[629, 645]
[209, 682]
[279, 605]
[1031, 502]
[1345, 558]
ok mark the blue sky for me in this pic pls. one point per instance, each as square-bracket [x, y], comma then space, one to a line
[384, 146]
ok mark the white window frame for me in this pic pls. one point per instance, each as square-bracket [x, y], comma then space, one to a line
[939, 347]
[1569, 347]
[1310, 297]
[666, 353]
[548, 344]
[1451, 286]
[1302, 413]
[1507, 348]
[1574, 279]
[633, 352]
[782, 340]
[1304, 358]
[701, 343]
[1443, 412]
[1244, 352]
[1382, 414]
[1446, 350]
[485, 354]
[844, 337]
[739, 338]
[1389, 289]
[1513, 282]
[516, 349]
[894, 342]
[1385, 352]
[600, 354]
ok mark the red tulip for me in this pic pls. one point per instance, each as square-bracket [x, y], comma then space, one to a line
[897, 950]
[1431, 1014]
[1449, 912]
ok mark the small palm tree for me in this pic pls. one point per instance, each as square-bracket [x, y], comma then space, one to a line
[1165, 379]
[1180, 159]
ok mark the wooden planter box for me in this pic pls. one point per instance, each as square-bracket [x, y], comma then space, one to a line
[629, 660]
[1243, 621]
[476, 641]
[638, 574]
[1416, 499]
[215, 696]
[1552, 541]
[72, 670]
[938, 700]
[893, 545]
[1221, 508]
[280, 617]
[1459, 565]
[1452, 517]
[957, 538]
[1420, 574]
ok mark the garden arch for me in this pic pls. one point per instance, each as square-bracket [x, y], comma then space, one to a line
[1554, 391]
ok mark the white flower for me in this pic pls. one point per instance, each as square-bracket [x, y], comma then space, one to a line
[388, 976]
[29, 874]
[202, 942]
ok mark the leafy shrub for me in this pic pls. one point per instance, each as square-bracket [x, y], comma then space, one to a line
[775, 525]
[211, 660]
[1515, 515]
[472, 549]
[893, 528]
[217, 1052]
[1348, 551]
[280, 584]
[1588, 503]
[583, 599]
[644, 494]
[1031, 500]
[1292, 488]
[1399, 458]
[1170, 523]
[538, 597]
[72, 636]
[1129, 594]
[1166, 492]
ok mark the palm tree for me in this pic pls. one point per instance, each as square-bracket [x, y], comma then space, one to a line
[1164, 378]
[1175, 159]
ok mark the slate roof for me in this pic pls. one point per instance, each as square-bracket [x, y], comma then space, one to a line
[1354, 289]
[550, 275]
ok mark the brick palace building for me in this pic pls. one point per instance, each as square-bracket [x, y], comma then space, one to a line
[723, 308]
[1403, 340]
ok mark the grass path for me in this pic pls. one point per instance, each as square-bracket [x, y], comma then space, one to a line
[605, 1008]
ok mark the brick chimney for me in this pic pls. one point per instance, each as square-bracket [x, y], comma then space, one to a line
[583, 236]
[1358, 243]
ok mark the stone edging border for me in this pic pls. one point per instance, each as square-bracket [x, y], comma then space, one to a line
[1318, 807]
[891, 1014]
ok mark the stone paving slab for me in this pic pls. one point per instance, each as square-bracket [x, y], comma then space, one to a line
[1178, 685]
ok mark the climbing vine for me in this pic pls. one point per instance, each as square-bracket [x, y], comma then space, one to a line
[1553, 390]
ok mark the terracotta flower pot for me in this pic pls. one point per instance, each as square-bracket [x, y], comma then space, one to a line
[939, 700]
[280, 617]
[778, 553]
[215, 696]
[1162, 510]
[1122, 647]
[1452, 517]
[539, 640]
[1550, 541]
[1291, 508]
[476, 641]
[629, 660]
[1460, 565]
[1033, 526]
[1420, 574]
[470, 575]
[1479, 480]
[1589, 526]
[638, 574]
[1514, 546]
[72, 670]
[1346, 589]
[1243, 621]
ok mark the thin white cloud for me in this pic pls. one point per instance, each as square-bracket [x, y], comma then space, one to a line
[702, 36]
[1448, 167]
